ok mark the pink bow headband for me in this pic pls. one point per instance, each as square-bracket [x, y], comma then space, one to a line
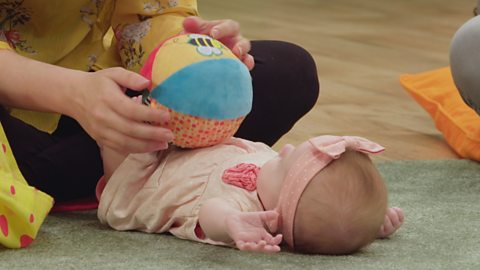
[323, 150]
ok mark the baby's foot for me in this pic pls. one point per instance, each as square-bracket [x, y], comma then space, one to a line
[393, 220]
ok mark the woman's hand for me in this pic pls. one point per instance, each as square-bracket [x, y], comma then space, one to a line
[226, 31]
[115, 120]
[95, 99]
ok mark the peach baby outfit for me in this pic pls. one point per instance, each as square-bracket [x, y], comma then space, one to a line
[163, 191]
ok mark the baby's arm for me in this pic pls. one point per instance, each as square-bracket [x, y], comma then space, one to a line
[111, 159]
[221, 221]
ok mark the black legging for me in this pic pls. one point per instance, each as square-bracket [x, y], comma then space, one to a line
[67, 164]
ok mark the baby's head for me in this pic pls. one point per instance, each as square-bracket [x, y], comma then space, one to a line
[342, 207]
[329, 195]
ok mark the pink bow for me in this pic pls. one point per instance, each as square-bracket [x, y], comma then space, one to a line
[334, 146]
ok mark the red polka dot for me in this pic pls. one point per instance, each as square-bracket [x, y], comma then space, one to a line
[4, 147]
[32, 218]
[25, 241]
[4, 225]
[12, 190]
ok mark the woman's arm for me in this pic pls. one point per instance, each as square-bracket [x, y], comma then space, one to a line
[29, 84]
[95, 99]
[221, 221]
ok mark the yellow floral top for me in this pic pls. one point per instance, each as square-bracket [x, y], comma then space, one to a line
[78, 34]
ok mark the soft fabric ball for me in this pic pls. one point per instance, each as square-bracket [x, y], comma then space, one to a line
[203, 85]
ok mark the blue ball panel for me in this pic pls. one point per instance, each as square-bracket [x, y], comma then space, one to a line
[214, 89]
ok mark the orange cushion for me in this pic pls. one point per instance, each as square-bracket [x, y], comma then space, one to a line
[436, 92]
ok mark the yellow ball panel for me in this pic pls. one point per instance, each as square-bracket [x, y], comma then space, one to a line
[184, 50]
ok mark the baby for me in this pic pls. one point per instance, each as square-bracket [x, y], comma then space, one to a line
[323, 197]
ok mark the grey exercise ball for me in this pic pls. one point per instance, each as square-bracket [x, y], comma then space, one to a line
[465, 62]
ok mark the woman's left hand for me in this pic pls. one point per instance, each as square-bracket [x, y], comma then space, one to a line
[225, 31]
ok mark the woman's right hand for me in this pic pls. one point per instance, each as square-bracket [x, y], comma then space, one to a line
[115, 120]
[95, 99]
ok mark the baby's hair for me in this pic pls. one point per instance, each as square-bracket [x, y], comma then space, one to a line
[342, 208]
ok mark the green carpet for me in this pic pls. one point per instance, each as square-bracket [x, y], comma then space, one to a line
[441, 200]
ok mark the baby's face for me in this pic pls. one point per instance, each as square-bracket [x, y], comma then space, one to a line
[273, 173]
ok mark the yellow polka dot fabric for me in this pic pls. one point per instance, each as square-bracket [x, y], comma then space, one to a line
[22, 208]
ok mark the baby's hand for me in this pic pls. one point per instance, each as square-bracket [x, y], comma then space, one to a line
[250, 231]
[393, 220]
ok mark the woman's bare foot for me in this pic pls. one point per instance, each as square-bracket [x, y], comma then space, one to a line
[393, 220]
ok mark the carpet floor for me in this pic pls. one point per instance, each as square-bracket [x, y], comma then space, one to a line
[441, 200]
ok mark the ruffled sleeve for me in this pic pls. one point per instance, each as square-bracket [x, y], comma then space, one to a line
[139, 26]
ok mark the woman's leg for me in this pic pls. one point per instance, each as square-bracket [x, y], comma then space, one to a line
[65, 164]
[285, 88]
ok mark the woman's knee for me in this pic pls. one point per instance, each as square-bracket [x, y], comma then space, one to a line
[303, 65]
[293, 72]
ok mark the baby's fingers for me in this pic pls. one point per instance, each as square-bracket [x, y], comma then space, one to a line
[273, 240]
[261, 246]
[276, 240]
[270, 218]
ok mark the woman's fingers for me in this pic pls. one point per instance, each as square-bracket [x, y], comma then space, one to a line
[218, 29]
[227, 32]
[126, 78]
[239, 45]
[196, 25]
[122, 125]
[223, 29]
[248, 61]
[135, 127]
[132, 110]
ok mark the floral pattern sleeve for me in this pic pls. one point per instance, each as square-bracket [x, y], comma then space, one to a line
[139, 26]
